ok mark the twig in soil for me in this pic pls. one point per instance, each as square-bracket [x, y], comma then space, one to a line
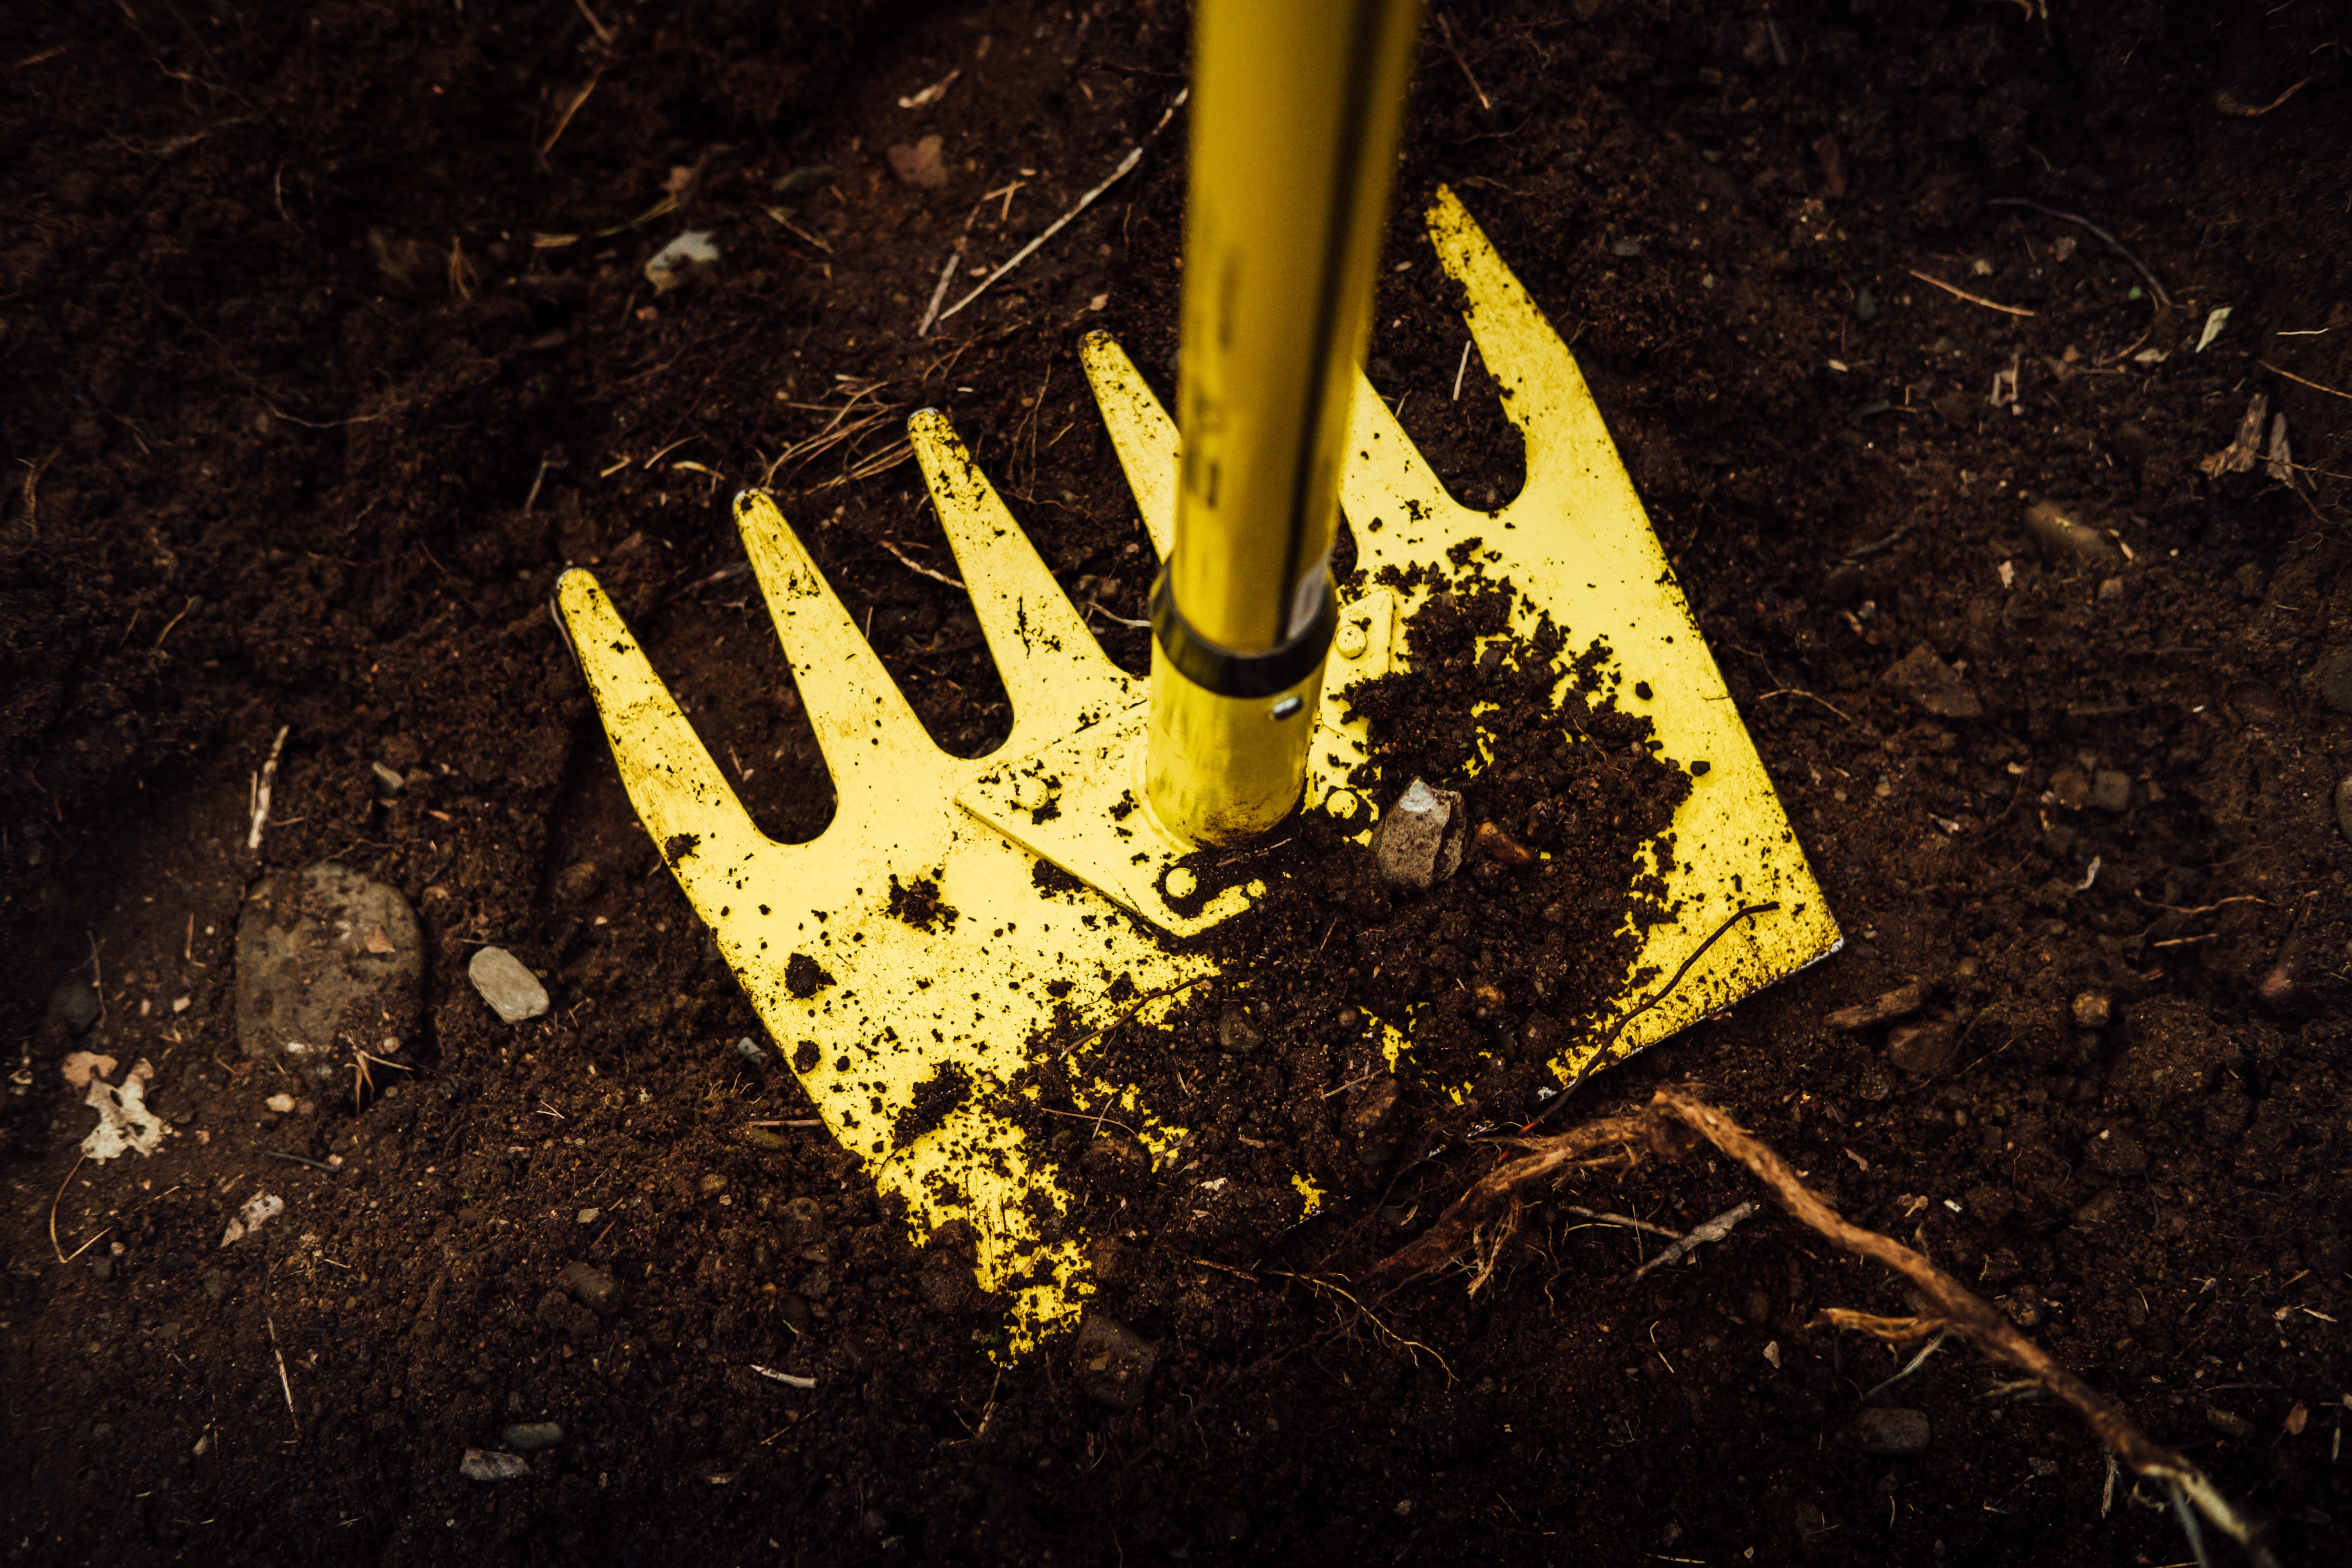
[1714, 1229]
[1914, 1364]
[1971, 299]
[1665, 1127]
[268, 776]
[2299, 380]
[295, 1160]
[1446, 28]
[604, 33]
[2229, 105]
[786, 1378]
[572, 108]
[55, 1246]
[1099, 1121]
[284, 1382]
[940, 292]
[175, 621]
[917, 568]
[1122, 620]
[804, 1122]
[1136, 1007]
[955, 259]
[1134, 156]
[32, 484]
[1313, 1283]
[1792, 692]
[1660, 995]
[1626, 1220]
[1462, 369]
[2081, 222]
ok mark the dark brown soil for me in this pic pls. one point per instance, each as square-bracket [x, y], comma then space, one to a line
[303, 423]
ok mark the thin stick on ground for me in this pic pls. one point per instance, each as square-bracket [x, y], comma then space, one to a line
[1601, 1053]
[2112, 242]
[1714, 1229]
[2299, 380]
[1971, 299]
[917, 568]
[55, 1245]
[1134, 156]
[1665, 1127]
[261, 790]
[284, 1382]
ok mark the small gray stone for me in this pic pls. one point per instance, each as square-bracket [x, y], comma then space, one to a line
[1922, 1049]
[389, 784]
[75, 1004]
[514, 991]
[595, 1290]
[327, 960]
[2111, 790]
[2344, 807]
[1236, 1035]
[484, 1464]
[1934, 685]
[1626, 249]
[2093, 1010]
[1891, 1432]
[2335, 682]
[1865, 305]
[1419, 843]
[1111, 1364]
[532, 1436]
[749, 1050]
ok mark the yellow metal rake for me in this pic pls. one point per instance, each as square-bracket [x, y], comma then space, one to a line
[909, 963]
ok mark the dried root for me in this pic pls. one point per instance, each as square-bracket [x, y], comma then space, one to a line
[1664, 1129]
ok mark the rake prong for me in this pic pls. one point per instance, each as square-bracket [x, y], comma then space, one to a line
[702, 829]
[879, 754]
[1054, 669]
[1525, 356]
[1140, 432]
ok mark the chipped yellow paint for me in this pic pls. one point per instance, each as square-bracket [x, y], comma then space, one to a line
[1009, 973]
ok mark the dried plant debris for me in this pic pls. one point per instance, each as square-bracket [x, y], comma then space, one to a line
[1671, 1126]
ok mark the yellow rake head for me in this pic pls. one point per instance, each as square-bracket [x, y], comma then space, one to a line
[910, 964]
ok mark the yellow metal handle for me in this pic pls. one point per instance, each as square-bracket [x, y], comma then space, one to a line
[1298, 106]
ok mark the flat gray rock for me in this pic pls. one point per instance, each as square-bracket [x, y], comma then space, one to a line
[514, 991]
[1418, 843]
[328, 961]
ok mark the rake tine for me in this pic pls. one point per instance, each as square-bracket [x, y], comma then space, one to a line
[702, 829]
[869, 733]
[1051, 666]
[1140, 432]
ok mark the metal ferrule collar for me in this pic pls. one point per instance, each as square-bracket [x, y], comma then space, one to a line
[1244, 675]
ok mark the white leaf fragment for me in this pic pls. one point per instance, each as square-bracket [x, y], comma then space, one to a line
[123, 1120]
[258, 1210]
[675, 263]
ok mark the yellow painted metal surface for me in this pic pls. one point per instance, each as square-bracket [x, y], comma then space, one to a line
[883, 1007]
[1298, 106]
